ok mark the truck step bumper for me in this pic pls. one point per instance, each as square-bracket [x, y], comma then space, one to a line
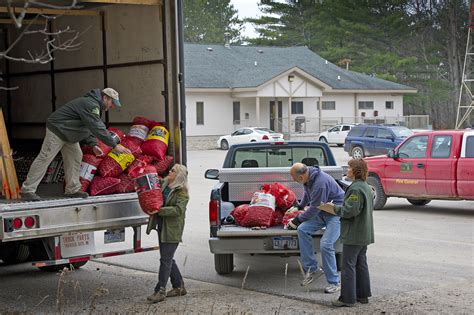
[256, 245]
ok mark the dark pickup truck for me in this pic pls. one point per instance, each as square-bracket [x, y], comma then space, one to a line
[246, 168]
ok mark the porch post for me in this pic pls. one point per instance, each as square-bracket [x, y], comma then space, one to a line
[289, 117]
[257, 110]
[320, 109]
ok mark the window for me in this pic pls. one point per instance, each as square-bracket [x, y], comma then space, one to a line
[370, 133]
[470, 147]
[346, 128]
[199, 113]
[329, 105]
[334, 129]
[297, 107]
[366, 105]
[389, 105]
[357, 132]
[279, 157]
[414, 148]
[384, 134]
[236, 119]
[441, 147]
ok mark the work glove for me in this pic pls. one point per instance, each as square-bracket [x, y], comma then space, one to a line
[293, 223]
[292, 209]
[98, 151]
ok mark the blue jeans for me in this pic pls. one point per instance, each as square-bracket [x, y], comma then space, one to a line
[306, 230]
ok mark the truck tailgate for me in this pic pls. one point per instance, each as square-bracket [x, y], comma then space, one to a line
[240, 231]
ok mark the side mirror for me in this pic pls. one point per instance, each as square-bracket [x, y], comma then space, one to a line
[212, 174]
[392, 154]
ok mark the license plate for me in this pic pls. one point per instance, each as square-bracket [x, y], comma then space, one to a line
[285, 242]
[114, 236]
[77, 244]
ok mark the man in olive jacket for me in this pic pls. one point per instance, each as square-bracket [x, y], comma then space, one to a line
[77, 120]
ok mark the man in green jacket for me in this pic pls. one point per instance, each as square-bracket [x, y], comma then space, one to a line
[77, 120]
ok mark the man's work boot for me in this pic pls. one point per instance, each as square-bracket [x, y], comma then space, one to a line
[77, 194]
[310, 276]
[30, 197]
[176, 292]
[158, 296]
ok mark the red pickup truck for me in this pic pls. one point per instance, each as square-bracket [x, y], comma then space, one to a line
[427, 165]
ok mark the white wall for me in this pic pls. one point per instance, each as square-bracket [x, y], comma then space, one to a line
[218, 111]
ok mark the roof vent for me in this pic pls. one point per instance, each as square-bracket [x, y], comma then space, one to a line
[255, 63]
[260, 51]
[209, 49]
[339, 77]
[325, 61]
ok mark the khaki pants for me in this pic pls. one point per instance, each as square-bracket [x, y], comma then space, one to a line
[72, 157]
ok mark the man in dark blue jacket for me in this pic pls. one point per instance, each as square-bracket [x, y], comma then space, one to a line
[77, 120]
[318, 187]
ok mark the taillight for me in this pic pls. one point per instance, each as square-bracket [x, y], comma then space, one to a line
[265, 137]
[213, 211]
[29, 222]
[17, 223]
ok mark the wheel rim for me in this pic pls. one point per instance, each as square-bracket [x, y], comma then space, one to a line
[224, 145]
[374, 191]
[357, 153]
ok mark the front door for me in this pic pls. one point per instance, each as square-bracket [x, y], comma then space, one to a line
[406, 175]
[272, 115]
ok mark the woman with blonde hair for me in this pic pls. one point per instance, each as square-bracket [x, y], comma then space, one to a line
[357, 231]
[169, 222]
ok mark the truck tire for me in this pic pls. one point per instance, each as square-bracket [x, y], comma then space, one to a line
[418, 202]
[357, 152]
[14, 253]
[224, 263]
[57, 268]
[224, 145]
[380, 199]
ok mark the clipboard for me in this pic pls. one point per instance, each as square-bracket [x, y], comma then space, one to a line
[327, 208]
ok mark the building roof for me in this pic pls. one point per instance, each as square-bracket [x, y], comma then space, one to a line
[215, 66]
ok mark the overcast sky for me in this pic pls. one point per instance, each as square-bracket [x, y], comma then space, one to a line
[247, 8]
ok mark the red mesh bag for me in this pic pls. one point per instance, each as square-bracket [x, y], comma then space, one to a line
[156, 143]
[277, 217]
[148, 188]
[139, 163]
[133, 144]
[290, 215]
[88, 170]
[239, 213]
[285, 198]
[115, 163]
[139, 129]
[126, 184]
[164, 165]
[260, 212]
[116, 134]
[103, 185]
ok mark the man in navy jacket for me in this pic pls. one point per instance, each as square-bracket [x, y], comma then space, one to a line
[319, 187]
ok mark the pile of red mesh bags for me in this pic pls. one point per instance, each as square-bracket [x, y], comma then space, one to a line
[163, 166]
[285, 198]
[126, 184]
[147, 186]
[156, 143]
[89, 166]
[103, 185]
[277, 217]
[260, 211]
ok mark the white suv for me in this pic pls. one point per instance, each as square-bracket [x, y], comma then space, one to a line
[336, 135]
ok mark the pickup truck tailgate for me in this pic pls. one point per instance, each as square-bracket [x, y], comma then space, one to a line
[240, 231]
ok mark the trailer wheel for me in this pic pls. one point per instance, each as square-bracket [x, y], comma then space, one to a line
[57, 268]
[224, 263]
[418, 202]
[14, 253]
[380, 199]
